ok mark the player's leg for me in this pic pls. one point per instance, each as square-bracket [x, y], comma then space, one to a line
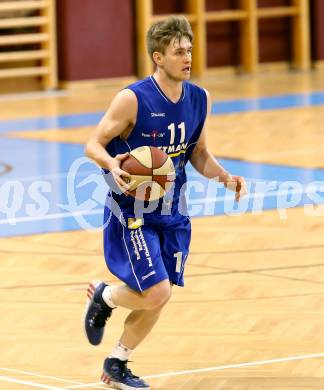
[138, 325]
[103, 298]
[149, 299]
[134, 256]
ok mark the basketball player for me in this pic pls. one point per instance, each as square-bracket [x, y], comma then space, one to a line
[148, 254]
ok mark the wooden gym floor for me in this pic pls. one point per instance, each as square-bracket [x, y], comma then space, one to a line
[251, 315]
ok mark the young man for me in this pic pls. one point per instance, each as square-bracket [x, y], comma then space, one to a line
[149, 256]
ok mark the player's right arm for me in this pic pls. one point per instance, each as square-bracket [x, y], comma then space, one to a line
[118, 121]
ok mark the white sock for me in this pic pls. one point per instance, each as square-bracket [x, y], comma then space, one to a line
[106, 296]
[120, 352]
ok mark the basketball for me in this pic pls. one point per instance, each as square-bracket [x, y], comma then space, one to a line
[152, 173]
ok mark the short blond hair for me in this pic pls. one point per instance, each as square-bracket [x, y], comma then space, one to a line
[161, 33]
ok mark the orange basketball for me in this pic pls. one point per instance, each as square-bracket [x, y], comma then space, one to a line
[152, 173]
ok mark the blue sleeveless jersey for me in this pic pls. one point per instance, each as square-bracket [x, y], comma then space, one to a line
[173, 127]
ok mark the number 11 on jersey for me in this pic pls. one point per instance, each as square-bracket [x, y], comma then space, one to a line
[182, 128]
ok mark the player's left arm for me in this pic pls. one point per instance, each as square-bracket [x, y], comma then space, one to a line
[206, 164]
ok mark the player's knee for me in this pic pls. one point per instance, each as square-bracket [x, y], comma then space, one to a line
[158, 295]
[156, 300]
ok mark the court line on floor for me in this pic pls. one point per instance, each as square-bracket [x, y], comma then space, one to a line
[10, 379]
[217, 368]
[28, 383]
[38, 375]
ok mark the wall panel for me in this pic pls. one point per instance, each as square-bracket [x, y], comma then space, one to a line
[317, 29]
[95, 40]
[275, 43]
[222, 44]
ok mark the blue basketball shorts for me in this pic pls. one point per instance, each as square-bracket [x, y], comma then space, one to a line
[143, 254]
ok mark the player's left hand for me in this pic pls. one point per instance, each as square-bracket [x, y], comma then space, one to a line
[238, 185]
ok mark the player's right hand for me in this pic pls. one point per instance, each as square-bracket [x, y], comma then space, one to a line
[122, 178]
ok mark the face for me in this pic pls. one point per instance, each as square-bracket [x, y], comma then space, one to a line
[176, 61]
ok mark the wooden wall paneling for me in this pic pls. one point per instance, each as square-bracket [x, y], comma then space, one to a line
[50, 80]
[199, 63]
[301, 35]
[249, 37]
[28, 41]
[144, 12]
